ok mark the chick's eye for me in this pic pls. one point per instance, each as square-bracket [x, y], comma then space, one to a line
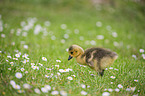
[71, 52]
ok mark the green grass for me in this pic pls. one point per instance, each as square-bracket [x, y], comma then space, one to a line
[125, 18]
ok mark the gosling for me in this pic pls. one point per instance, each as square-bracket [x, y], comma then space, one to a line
[96, 58]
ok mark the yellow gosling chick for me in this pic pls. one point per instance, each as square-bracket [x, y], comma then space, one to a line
[96, 58]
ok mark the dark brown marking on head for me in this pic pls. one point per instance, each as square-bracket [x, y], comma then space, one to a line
[70, 48]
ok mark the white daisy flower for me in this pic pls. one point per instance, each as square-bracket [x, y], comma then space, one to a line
[120, 86]
[63, 93]
[58, 73]
[111, 68]
[88, 86]
[11, 63]
[117, 90]
[62, 41]
[73, 75]
[9, 68]
[15, 58]
[61, 70]
[20, 91]
[63, 26]
[110, 90]
[24, 61]
[84, 93]
[26, 72]
[106, 94]
[141, 50]
[66, 36]
[67, 49]
[132, 88]
[3, 35]
[113, 77]
[18, 75]
[100, 37]
[22, 69]
[76, 31]
[58, 61]
[105, 89]
[37, 91]
[115, 43]
[128, 89]
[115, 69]
[114, 34]
[134, 56]
[99, 24]
[32, 64]
[83, 86]
[34, 67]
[7, 60]
[53, 37]
[25, 46]
[13, 43]
[47, 76]
[136, 80]
[37, 67]
[81, 38]
[44, 90]
[111, 82]
[69, 78]
[16, 86]
[48, 87]
[26, 86]
[12, 82]
[47, 23]
[54, 92]
[93, 42]
[9, 57]
[44, 59]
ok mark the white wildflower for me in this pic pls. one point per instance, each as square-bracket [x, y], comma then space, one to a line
[63, 93]
[98, 24]
[141, 50]
[26, 86]
[9, 57]
[54, 92]
[117, 90]
[12, 82]
[58, 61]
[128, 89]
[44, 90]
[76, 31]
[106, 94]
[120, 86]
[83, 86]
[100, 37]
[3, 35]
[69, 78]
[84, 93]
[22, 69]
[113, 77]
[63, 26]
[66, 36]
[110, 90]
[18, 75]
[25, 46]
[44, 59]
[37, 91]
[48, 87]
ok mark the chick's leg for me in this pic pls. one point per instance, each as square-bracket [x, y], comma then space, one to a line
[97, 67]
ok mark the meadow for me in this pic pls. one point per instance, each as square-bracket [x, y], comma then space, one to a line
[35, 37]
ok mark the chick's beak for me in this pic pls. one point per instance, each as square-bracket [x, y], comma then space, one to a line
[70, 57]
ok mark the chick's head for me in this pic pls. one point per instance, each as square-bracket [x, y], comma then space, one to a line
[75, 51]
